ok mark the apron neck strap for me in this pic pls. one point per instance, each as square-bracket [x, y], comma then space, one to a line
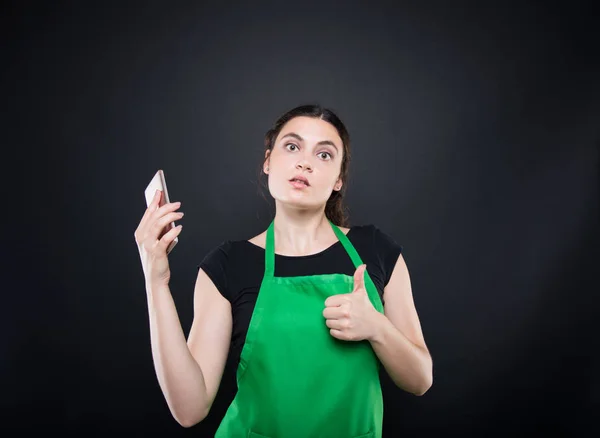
[270, 248]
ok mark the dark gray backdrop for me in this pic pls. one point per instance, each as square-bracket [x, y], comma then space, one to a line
[475, 145]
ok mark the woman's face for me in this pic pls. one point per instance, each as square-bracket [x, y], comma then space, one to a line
[309, 147]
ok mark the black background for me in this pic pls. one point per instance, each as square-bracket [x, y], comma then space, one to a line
[475, 145]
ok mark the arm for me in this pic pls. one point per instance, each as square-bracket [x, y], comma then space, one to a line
[398, 340]
[189, 372]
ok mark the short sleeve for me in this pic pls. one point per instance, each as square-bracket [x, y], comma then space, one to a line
[215, 265]
[387, 250]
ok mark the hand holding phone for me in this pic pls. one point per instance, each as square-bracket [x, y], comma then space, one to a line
[159, 182]
[156, 234]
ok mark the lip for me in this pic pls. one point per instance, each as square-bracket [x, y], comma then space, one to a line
[298, 185]
[300, 177]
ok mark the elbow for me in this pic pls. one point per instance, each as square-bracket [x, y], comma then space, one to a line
[426, 382]
[187, 420]
[186, 424]
[416, 388]
[424, 388]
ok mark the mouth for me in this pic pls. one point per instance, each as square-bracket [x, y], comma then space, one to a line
[301, 179]
[299, 184]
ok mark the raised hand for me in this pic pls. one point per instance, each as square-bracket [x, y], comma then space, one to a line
[152, 241]
[351, 316]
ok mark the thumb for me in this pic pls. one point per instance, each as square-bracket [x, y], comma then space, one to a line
[359, 277]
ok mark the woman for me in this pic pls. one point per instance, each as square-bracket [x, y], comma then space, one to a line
[308, 323]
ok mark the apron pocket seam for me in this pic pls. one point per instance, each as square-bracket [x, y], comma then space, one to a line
[365, 435]
[252, 434]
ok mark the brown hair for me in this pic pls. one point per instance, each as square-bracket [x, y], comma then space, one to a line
[335, 209]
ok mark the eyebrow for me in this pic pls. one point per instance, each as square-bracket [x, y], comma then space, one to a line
[297, 137]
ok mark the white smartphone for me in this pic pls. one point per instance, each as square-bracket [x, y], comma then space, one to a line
[159, 182]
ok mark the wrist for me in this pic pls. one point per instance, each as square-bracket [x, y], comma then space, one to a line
[380, 325]
[154, 287]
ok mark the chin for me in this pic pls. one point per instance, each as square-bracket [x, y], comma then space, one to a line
[301, 203]
[297, 202]
[294, 197]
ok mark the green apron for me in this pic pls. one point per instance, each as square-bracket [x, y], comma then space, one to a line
[295, 380]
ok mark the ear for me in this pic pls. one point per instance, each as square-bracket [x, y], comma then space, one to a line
[338, 185]
[267, 161]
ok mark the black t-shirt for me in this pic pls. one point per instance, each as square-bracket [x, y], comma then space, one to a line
[237, 268]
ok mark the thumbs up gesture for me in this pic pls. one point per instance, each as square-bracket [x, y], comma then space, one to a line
[351, 317]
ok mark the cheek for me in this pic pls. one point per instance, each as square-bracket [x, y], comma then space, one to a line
[278, 162]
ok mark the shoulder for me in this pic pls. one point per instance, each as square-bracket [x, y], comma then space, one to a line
[221, 256]
[359, 230]
[384, 239]
[218, 263]
[383, 247]
[381, 239]
[220, 251]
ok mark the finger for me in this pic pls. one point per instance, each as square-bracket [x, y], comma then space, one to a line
[163, 210]
[156, 199]
[150, 209]
[334, 324]
[162, 217]
[336, 300]
[335, 313]
[359, 277]
[338, 334]
[155, 210]
[161, 224]
[166, 240]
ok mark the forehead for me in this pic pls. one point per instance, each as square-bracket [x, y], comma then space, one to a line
[311, 130]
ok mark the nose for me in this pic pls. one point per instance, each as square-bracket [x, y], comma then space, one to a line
[304, 165]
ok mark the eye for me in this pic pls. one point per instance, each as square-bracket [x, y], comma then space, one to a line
[320, 153]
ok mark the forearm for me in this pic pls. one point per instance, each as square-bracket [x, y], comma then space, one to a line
[179, 375]
[408, 365]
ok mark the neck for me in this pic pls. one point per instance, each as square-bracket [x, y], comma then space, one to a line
[301, 232]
